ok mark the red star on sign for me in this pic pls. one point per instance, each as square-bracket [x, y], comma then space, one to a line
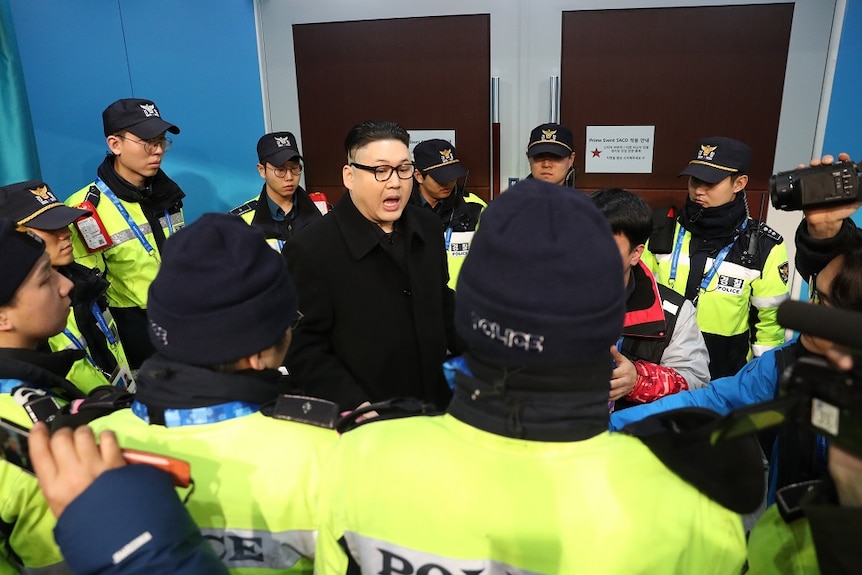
[597, 153]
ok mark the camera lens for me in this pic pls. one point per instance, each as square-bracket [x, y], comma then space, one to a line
[781, 192]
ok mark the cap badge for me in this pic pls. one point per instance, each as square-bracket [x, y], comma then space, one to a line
[150, 110]
[706, 152]
[549, 135]
[43, 196]
[282, 141]
[446, 156]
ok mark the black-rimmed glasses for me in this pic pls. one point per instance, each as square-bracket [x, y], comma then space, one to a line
[150, 146]
[383, 173]
[295, 169]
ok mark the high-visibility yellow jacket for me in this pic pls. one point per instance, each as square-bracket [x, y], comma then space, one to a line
[436, 495]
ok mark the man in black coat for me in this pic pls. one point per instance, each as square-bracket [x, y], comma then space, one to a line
[371, 277]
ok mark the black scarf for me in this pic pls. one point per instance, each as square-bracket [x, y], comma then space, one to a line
[719, 222]
[564, 405]
[711, 229]
[165, 384]
[159, 193]
[46, 370]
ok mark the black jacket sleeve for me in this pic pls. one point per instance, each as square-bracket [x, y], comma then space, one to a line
[812, 254]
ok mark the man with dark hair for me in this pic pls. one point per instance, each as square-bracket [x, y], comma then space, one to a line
[372, 278]
[662, 349]
[135, 206]
[283, 207]
[540, 482]
[438, 171]
[732, 267]
[551, 153]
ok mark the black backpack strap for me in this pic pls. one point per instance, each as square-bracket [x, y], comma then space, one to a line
[663, 226]
[93, 196]
[730, 472]
[101, 401]
[395, 408]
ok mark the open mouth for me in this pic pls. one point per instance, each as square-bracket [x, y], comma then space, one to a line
[391, 203]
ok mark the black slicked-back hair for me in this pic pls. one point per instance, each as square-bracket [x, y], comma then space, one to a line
[627, 213]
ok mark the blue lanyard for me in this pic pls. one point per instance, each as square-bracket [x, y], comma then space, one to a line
[108, 193]
[103, 324]
[452, 366]
[169, 223]
[448, 237]
[80, 345]
[199, 415]
[715, 264]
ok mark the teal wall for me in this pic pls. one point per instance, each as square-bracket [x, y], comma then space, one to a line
[844, 125]
[197, 60]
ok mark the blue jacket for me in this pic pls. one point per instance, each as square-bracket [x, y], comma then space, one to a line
[754, 383]
[131, 522]
[797, 454]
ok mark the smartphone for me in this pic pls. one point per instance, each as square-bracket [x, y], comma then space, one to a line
[14, 448]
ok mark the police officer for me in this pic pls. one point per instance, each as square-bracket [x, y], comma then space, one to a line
[134, 206]
[90, 326]
[438, 170]
[283, 207]
[731, 266]
[551, 153]
[520, 474]
[34, 303]
[212, 395]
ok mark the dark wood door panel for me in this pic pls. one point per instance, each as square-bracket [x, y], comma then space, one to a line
[424, 73]
[690, 72]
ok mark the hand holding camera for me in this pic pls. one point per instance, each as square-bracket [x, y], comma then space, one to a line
[818, 188]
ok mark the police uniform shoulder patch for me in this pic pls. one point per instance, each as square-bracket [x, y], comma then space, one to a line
[245, 208]
[784, 272]
[769, 232]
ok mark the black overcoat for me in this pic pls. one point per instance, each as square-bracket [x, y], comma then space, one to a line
[371, 330]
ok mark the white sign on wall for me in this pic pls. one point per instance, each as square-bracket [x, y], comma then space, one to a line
[417, 136]
[619, 149]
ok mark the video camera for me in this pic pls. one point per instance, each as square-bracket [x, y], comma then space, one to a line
[816, 186]
[812, 393]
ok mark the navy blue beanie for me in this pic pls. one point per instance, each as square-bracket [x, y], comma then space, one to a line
[19, 252]
[542, 285]
[221, 293]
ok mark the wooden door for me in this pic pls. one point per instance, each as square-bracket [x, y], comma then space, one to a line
[423, 73]
[690, 72]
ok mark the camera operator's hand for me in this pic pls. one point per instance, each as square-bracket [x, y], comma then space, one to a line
[68, 462]
[826, 222]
